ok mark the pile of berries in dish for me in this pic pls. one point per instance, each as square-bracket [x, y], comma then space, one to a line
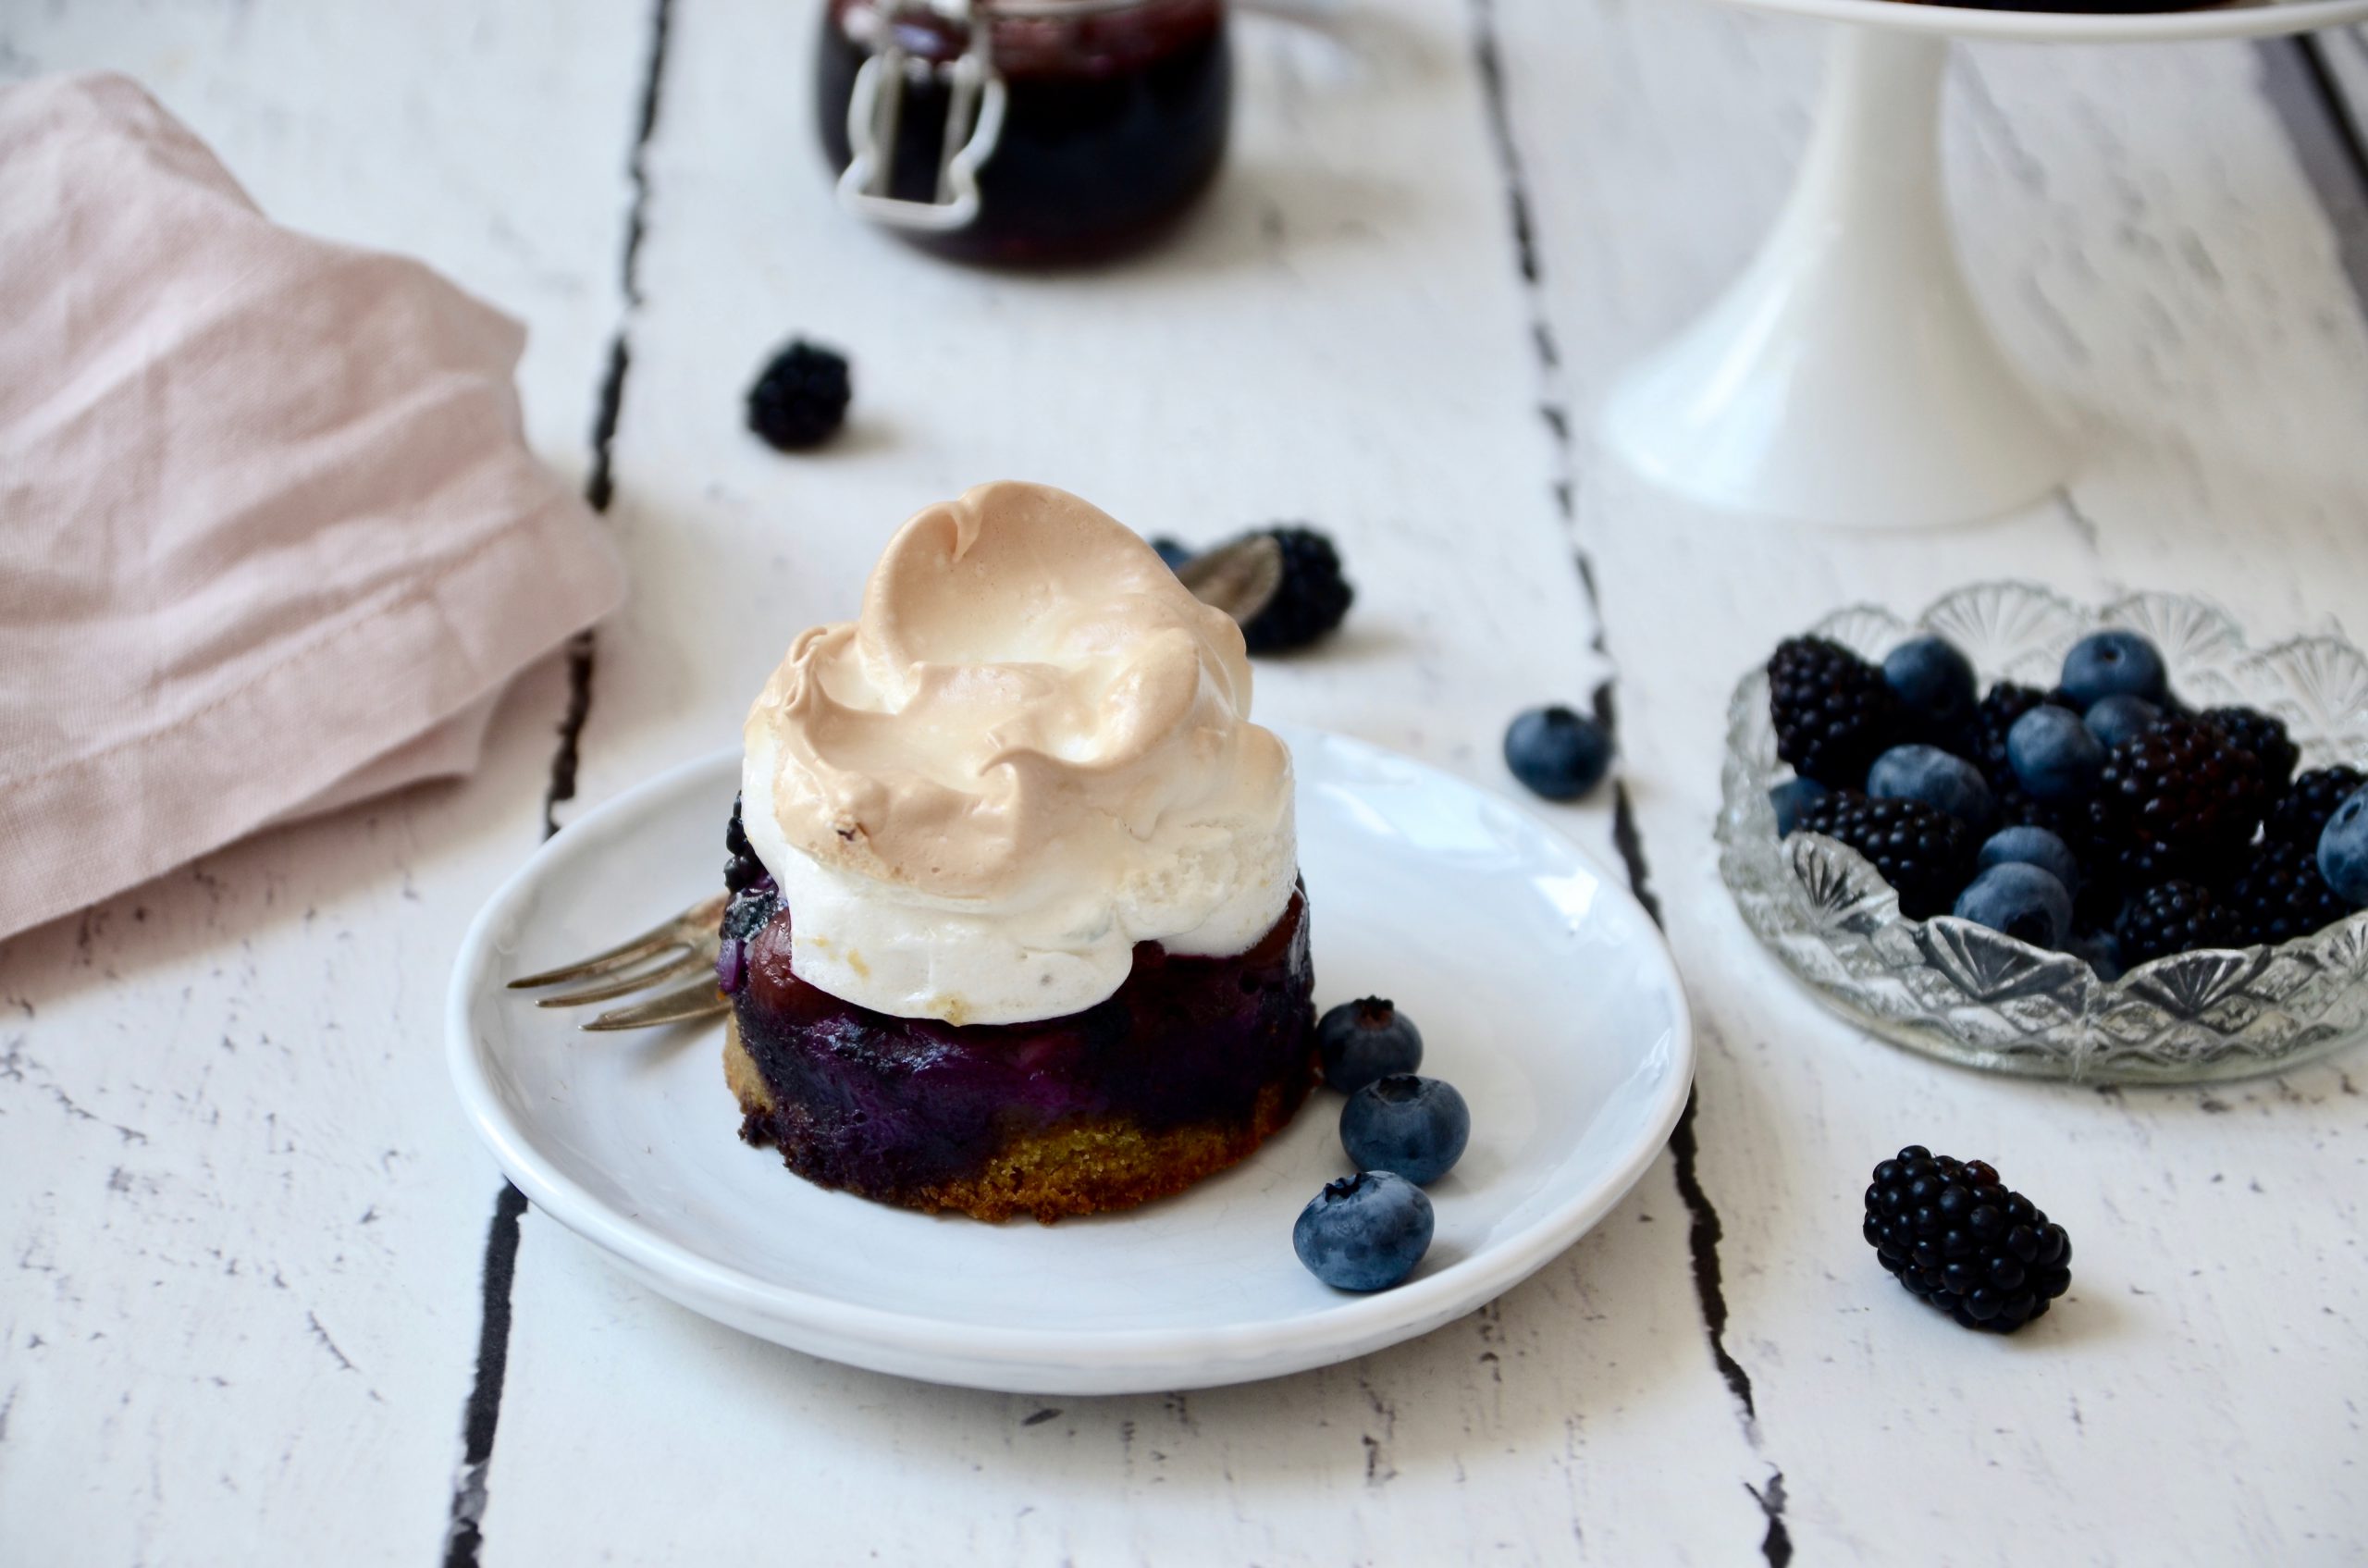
[1367, 1232]
[2104, 818]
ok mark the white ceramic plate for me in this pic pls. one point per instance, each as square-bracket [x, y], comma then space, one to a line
[1543, 993]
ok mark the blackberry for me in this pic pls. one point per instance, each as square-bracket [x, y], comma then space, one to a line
[801, 398]
[1958, 1238]
[2171, 917]
[2301, 813]
[2181, 801]
[743, 870]
[2262, 734]
[1833, 711]
[1925, 853]
[1311, 599]
[2280, 896]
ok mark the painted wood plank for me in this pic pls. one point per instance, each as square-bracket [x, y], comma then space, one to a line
[2147, 238]
[1339, 336]
[242, 1248]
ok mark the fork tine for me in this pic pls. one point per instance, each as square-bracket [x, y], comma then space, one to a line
[640, 979]
[700, 1001]
[682, 931]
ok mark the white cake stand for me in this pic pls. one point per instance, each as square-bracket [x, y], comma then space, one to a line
[1848, 376]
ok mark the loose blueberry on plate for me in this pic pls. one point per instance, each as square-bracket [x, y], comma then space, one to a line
[1958, 1238]
[1411, 1127]
[1558, 753]
[1942, 782]
[2343, 851]
[2114, 663]
[2117, 719]
[2054, 756]
[1365, 1232]
[2031, 846]
[1933, 682]
[1368, 1039]
[2021, 901]
[1789, 797]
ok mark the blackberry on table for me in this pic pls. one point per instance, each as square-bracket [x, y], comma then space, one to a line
[2265, 735]
[1834, 712]
[2171, 917]
[2280, 896]
[1311, 599]
[801, 398]
[1925, 853]
[2301, 813]
[1959, 1239]
[2181, 801]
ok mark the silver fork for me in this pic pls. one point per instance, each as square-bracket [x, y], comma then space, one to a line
[686, 945]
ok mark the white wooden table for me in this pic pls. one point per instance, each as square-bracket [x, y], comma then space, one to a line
[262, 1299]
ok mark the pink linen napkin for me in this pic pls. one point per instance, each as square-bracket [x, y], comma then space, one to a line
[270, 538]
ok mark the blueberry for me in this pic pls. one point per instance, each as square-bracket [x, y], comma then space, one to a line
[2105, 664]
[1365, 1232]
[1412, 1127]
[2022, 901]
[2100, 950]
[2343, 851]
[1175, 554]
[1558, 753]
[1933, 681]
[2117, 719]
[2032, 846]
[1359, 1042]
[1789, 797]
[1942, 782]
[2054, 755]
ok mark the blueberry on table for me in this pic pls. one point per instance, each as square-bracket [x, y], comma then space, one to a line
[2117, 719]
[1789, 797]
[1365, 1232]
[2115, 663]
[1368, 1039]
[2343, 851]
[1960, 1239]
[1558, 753]
[1411, 1126]
[801, 398]
[1933, 682]
[1942, 782]
[2020, 901]
[2031, 846]
[2054, 755]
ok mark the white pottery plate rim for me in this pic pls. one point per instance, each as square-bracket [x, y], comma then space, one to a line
[1053, 1359]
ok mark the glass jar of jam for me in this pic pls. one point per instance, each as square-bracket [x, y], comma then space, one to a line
[1023, 131]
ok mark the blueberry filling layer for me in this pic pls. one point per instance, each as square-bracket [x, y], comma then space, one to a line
[887, 1105]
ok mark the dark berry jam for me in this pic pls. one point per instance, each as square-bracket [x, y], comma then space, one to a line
[1114, 119]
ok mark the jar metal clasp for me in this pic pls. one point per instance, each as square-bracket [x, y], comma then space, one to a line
[974, 113]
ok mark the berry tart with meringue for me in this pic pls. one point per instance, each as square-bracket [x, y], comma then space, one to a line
[1017, 924]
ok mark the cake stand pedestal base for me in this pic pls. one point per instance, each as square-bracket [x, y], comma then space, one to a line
[1848, 376]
